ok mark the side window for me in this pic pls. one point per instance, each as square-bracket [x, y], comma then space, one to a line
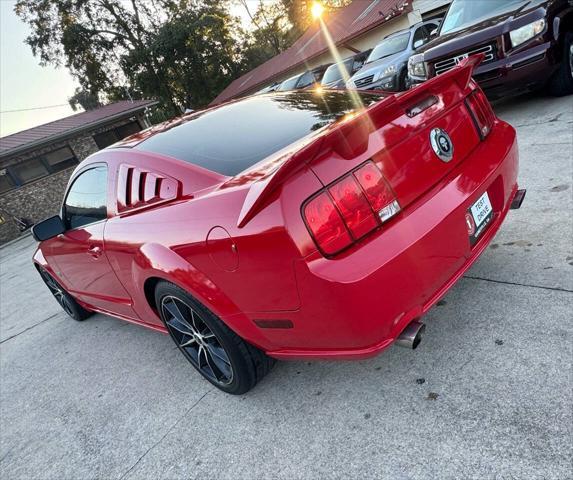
[421, 34]
[86, 201]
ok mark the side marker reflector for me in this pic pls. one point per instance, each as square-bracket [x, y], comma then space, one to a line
[274, 324]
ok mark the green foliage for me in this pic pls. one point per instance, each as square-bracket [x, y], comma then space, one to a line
[83, 98]
[182, 52]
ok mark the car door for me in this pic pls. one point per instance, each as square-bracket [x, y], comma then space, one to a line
[79, 253]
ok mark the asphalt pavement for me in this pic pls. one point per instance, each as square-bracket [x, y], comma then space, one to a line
[487, 394]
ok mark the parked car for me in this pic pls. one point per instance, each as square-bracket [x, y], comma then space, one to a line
[386, 68]
[303, 80]
[294, 233]
[335, 75]
[526, 44]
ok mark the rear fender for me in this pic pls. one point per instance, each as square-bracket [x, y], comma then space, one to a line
[155, 261]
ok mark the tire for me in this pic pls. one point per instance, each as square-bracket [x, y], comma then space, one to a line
[66, 301]
[403, 82]
[215, 351]
[561, 83]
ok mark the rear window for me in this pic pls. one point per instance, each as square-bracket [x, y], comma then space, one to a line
[234, 137]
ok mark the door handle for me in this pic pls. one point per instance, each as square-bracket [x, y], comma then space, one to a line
[95, 251]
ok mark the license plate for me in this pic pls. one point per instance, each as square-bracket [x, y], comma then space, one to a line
[479, 217]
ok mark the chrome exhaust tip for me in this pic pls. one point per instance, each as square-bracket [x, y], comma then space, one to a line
[411, 336]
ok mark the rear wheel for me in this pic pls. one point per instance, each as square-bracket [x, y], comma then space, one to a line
[562, 82]
[66, 301]
[219, 354]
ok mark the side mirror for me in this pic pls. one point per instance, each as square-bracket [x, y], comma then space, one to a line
[418, 43]
[48, 228]
[433, 33]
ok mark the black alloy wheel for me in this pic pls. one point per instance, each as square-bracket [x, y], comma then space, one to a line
[196, 340]
[215, 351]
[66, 301]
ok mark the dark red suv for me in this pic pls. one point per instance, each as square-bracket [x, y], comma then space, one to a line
[526, 44]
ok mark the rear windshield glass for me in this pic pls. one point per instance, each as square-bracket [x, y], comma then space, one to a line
[234, 137]
[390, 46]
[463, 13]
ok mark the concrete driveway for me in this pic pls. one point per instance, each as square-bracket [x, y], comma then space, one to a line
[486, 395]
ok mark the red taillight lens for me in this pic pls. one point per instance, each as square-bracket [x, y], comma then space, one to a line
[351, 208]
[481, 111]
[379, 194]
[326, 225]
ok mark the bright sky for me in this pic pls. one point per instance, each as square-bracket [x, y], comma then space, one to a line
[24, 84]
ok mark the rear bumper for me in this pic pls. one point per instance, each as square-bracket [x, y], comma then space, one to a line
[354, 306]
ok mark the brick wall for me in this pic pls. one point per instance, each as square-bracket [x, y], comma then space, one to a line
[42, 198]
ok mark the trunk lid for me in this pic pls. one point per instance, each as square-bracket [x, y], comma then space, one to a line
[399, 140]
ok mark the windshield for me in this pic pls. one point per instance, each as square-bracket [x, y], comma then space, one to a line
[288, 84]
[236, 136]
[390, 46]
[463, 13]
[334, 73]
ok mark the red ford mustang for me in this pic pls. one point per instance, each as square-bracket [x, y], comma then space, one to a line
[294, 225]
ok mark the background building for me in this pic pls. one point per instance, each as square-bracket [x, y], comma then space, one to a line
[356, 28]
[35, 164]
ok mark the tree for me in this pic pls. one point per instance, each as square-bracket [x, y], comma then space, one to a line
[278, 25]
[175, 50]
[83, 98]
[181, 52]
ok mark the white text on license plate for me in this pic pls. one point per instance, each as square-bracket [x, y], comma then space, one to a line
[481, 209]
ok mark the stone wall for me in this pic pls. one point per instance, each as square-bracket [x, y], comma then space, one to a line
[42, 198]
[33, 201]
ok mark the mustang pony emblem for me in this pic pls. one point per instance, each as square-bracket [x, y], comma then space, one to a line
[442, 144]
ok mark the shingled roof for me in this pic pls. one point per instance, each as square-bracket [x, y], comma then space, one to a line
[49, 132]
[344, 25]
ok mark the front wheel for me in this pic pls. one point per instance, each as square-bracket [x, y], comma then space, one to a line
[66, 301]
[561, 83]
[216, 352]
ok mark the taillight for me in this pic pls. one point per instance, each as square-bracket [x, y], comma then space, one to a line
[481, 111]
[326, 225]
[352, 207]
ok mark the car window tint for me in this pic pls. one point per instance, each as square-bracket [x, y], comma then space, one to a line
[87, 198]
[234, 137]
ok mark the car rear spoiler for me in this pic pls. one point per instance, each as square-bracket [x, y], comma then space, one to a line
[349, 137]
